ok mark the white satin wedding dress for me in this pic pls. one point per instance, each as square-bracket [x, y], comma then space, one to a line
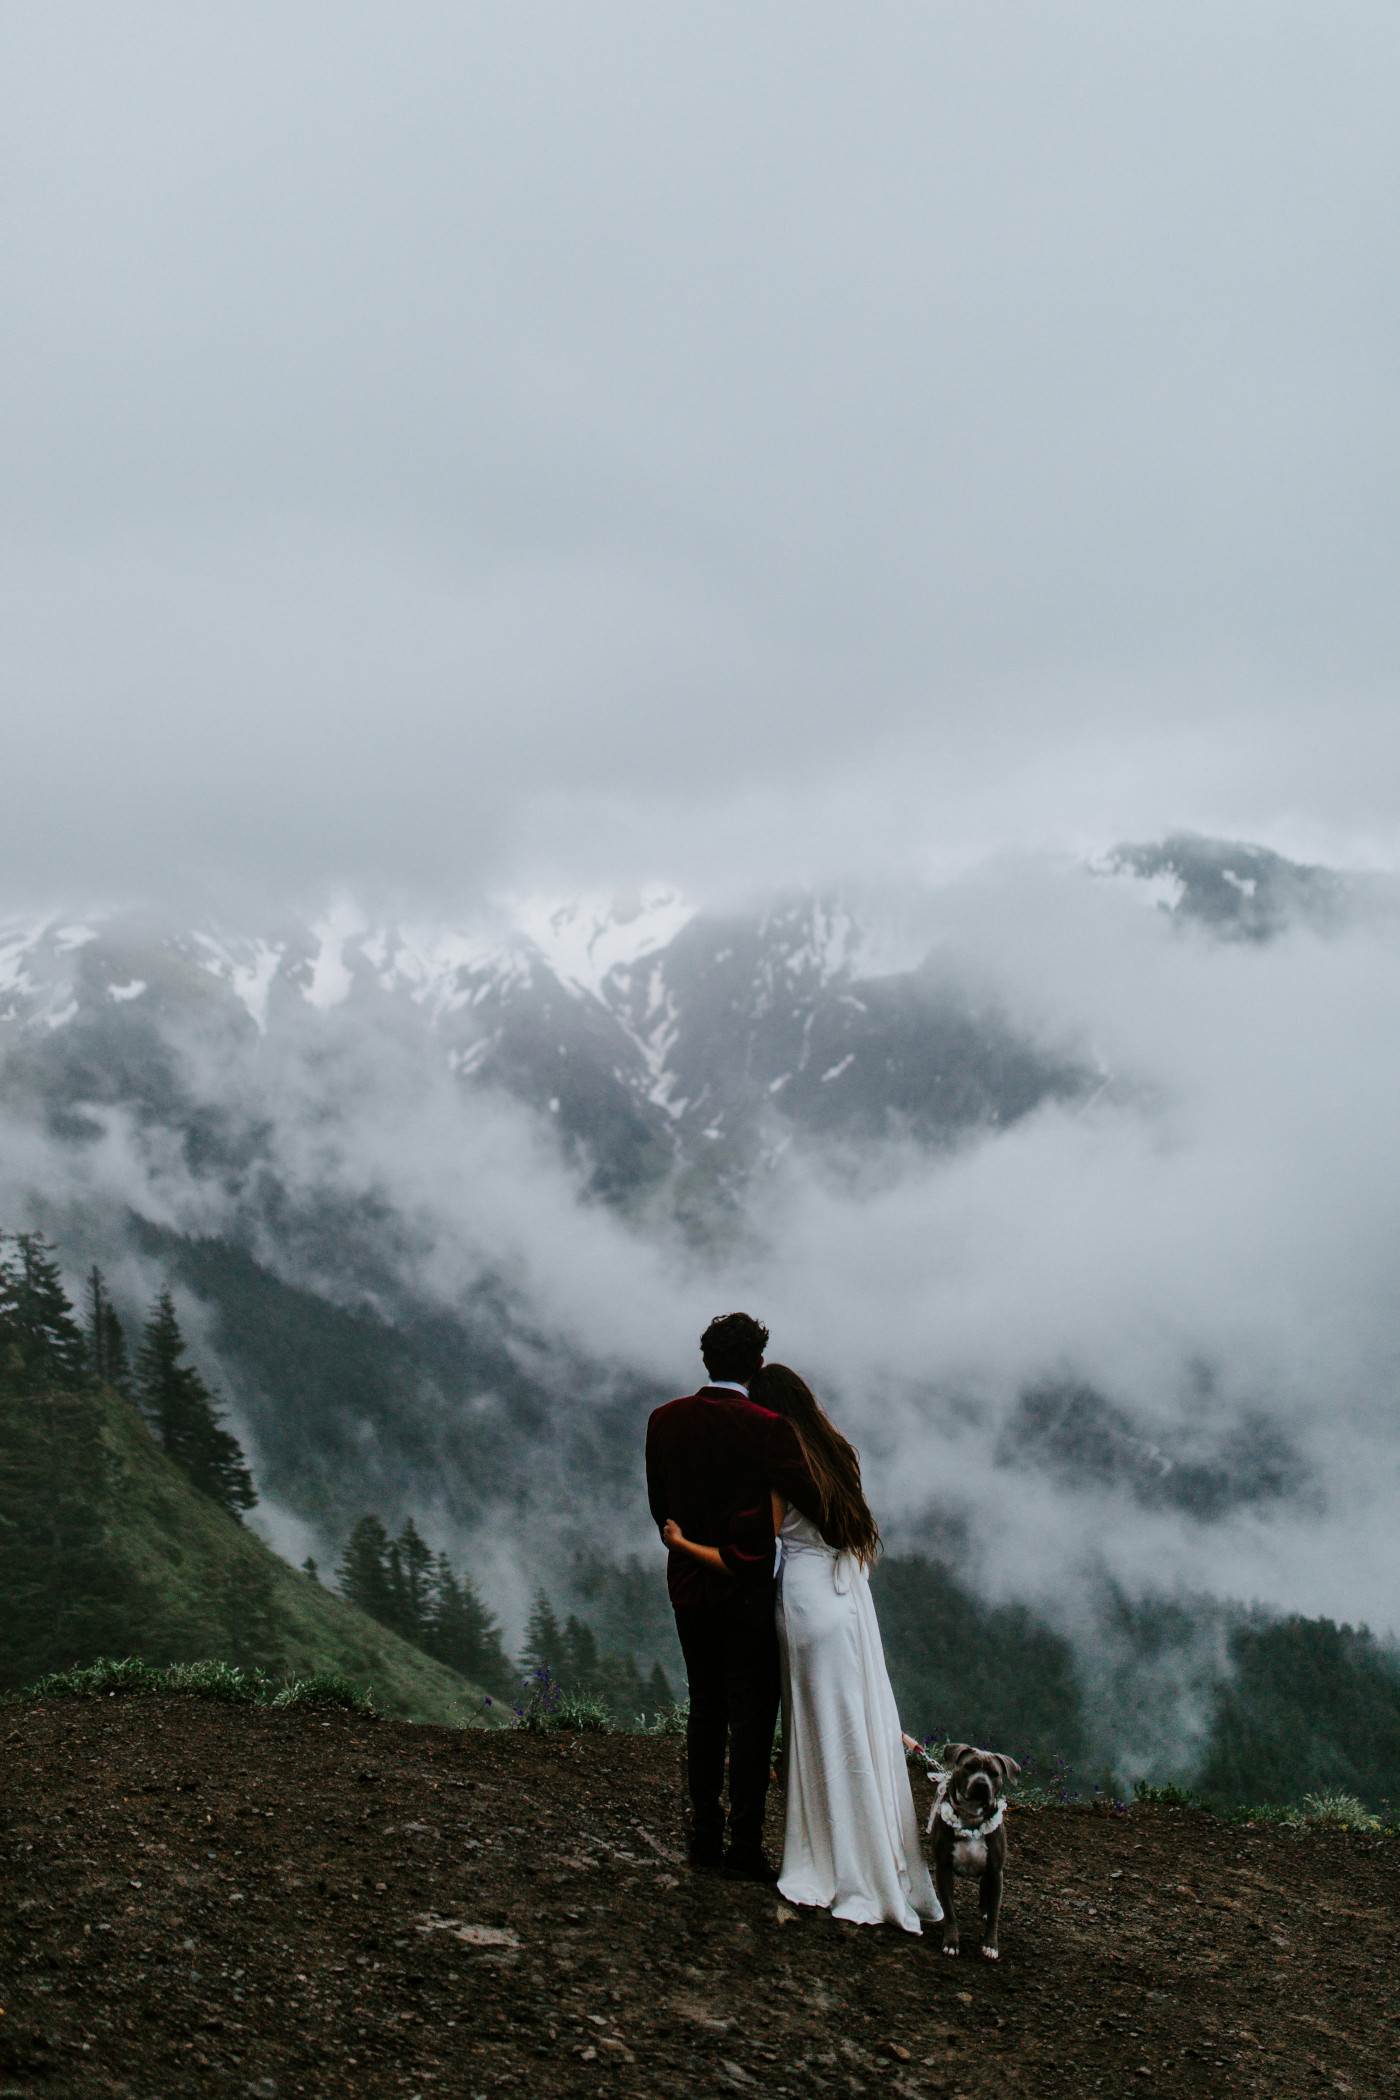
[851, 1841]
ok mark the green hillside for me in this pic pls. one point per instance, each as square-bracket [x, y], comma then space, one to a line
[106, 1548]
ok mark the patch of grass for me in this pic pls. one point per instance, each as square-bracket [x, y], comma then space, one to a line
[1169, 1797]
[1048, 1782]
[671, 1720]
[103, 1679]
[108, 1678]
[218, 1680]
[327, 1688]
[577, 1713]
[1329, 1810]
[1338, 1811]
[547, 1709]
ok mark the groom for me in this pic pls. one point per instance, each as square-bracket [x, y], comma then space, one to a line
[712, 1459]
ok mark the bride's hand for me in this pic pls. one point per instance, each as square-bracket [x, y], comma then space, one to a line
[673, 1535]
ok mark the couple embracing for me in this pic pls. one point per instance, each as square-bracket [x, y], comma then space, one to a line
[749, 1461]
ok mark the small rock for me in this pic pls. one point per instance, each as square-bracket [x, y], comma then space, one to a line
[263, 2088]
[735, 2072]
[963, 1997]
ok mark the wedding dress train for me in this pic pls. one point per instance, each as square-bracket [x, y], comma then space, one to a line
[851, 1841]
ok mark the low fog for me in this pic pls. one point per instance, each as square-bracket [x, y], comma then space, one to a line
[1205, 1239]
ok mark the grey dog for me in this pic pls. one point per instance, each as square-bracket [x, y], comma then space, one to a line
[969, 1836]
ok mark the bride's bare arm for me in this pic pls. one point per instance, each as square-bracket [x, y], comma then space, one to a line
[677, 1541]
[780, 1510]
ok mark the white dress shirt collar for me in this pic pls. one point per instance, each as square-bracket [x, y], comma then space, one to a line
[725, 1385]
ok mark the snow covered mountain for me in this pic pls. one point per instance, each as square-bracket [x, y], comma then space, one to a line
[441, 1203]
[653, 1037]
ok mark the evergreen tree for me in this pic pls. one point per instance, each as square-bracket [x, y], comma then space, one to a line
[545, 1647]
[462, 1633]
[399, 1583]
[618, 1682]
[106, 1340]
[185, 1414]
[363, 1574]
[410, 1572]
[69, 1592]
[580, 1667]
[41, 1344]
[253, 1635]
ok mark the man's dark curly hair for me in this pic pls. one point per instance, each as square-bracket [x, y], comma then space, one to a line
[733, 1347]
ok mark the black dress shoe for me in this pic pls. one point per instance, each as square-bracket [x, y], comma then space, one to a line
[706, 1855]
[749, 1866]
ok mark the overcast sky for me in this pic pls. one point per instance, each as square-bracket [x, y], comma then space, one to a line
[453, 447]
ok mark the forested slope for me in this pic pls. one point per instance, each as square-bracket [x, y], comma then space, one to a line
[106, 1547]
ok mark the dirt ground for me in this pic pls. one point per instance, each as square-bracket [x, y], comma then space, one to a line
[200, 1899]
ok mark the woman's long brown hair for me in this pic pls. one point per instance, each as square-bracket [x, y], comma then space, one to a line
[846, 1522]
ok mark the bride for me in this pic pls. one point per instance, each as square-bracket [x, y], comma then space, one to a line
[851, 1842]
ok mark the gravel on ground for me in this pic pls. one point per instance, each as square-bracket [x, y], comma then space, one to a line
[219, 1900]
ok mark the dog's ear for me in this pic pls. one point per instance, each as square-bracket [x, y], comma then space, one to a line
[1008, 1767]
[956, 1752]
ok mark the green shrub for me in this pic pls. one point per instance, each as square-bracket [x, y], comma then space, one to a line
[215, 1680]
[671, 1720]
[103, 1679]
[1167, 1796]
[325, 1689]
[107, 1679]
[578, 1713]
[1338, 1811]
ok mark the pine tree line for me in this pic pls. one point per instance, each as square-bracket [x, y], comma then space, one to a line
[572, 1656]
[405, 1586]
[44, 1349]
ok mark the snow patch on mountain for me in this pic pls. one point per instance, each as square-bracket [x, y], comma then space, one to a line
[586, 941]
[247, 967]
[67, 938]
[829, 943]
[331, 977]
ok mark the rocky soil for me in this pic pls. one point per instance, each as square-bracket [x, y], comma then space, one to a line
[208, 1900]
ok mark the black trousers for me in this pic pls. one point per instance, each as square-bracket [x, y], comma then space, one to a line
[731, 1660]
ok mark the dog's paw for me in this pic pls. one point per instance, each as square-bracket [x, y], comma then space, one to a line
[990, 1954]
[950, 1950]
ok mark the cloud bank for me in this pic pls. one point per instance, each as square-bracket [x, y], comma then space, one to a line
[497, 446]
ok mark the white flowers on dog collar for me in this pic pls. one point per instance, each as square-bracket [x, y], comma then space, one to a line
[971, 1830]
[942, 1811]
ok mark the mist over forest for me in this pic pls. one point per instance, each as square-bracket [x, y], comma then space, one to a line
[1065, 1185]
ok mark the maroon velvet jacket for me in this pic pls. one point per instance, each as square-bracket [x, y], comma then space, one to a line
[712, 1459]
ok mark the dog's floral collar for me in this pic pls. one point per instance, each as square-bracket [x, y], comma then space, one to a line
[942, 1811]
[971, 1830]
